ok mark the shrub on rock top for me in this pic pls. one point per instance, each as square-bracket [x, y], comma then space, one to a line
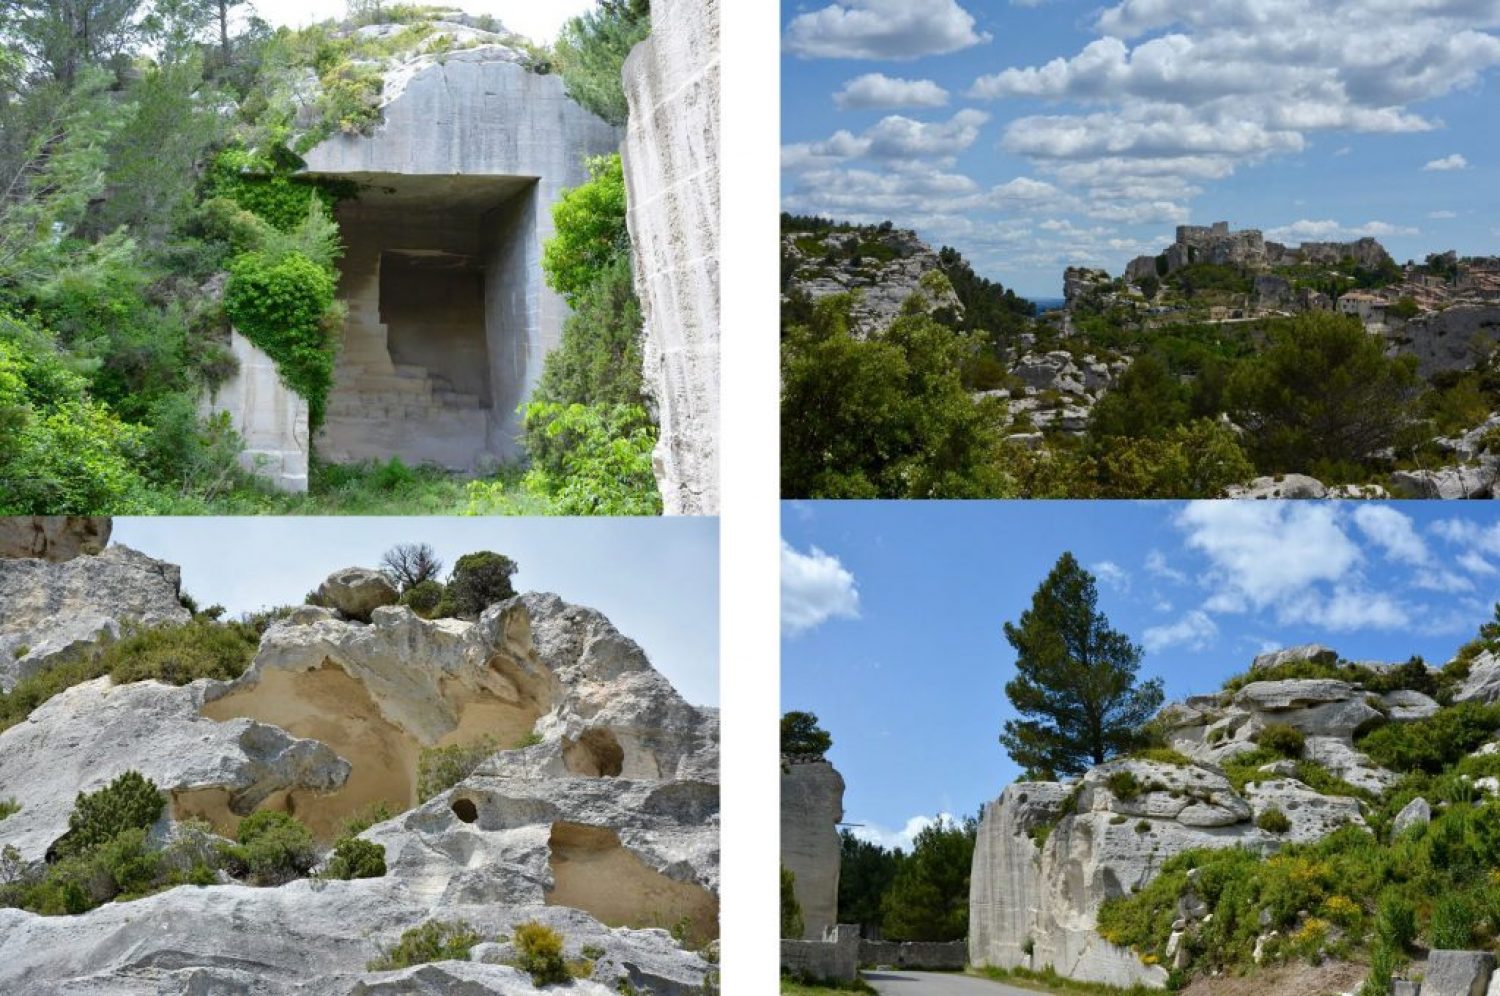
[480, 580]
[129, 802]
[539, 950]
[273, 848]
[436, 940]
[356, 858]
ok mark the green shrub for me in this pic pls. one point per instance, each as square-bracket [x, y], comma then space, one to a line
[1164, 755]
[591, 51]
[356, 858]
[1283, 738]
[9, 807]
[1395, 921]
[285, 307]
[1384, 962]
[539, 951]
[598, 361]
[1273, 820]
[1123, 784]
[792, 924]
[274, 848]
[441, 768]
[132, 867]
[182, 653]
[436, 940]
[479, 580]
[365, 818]
[424, 598]
[130, 802]
[589, 226]
[1455, 922]
[1434, 743]
[586, 460]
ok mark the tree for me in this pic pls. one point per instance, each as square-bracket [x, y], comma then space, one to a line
[1145, 401]
[1324, 392]
[410, 564]
[590, 230]
[802, 736]
[791, 911]
[1075, 680]
[65, 36]
[591, 51]
[928, 899]
[479, 580]
[866, 871]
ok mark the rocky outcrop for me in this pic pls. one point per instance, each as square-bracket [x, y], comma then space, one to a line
[1080, 282]
[1483, 681]
[53, 537]
[671, 160]
[356, 592]
[1056, 391]
[881, 268]
[1455, 338]
[812, 805]
[52, 612]
[598, 805]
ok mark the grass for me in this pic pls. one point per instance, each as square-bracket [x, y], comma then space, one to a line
[1048, 981]
[792, 987]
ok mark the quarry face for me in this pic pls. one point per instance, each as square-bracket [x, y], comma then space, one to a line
[595, 810]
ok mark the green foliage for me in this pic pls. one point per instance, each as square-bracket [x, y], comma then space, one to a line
[1455, 922]
[179, 654]
[478, 581]
[1434, 743]
[436, 940]
[1145, 401]
[356, 858]
[928, 899]
[130, 802]
[590, 231]
[274, 848]
[1282, 738]
[365, 818]
[1323, 392]
[591, 50]
[1075, 685]
[441, 768]
[599, 359]
[267, 190]
[801, 736]
[539, 951]
[424, 598]
[883, 416]
[866, 872]
[1199, 459]
[1273, 820]
[1163, 755]
[791, 911]
[987, 306]
[283, 306]
[586, 460]
[9, 807]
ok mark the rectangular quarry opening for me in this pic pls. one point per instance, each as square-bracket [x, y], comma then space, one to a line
[443, 340]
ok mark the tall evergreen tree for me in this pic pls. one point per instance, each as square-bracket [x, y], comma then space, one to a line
[1075, 686]
[866, 871]
[928, 900]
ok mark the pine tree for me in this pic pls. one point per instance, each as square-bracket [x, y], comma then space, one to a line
[929, 898]
[1075, 684]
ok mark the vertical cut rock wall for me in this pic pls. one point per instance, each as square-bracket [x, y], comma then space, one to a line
[671, 157]
[270, 417]
[812, 804]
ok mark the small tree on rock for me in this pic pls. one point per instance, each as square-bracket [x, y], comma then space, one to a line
[1075, 685]
[409, 564]
[480, 580]
[802, 736]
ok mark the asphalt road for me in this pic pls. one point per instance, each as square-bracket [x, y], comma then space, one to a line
[900, 982]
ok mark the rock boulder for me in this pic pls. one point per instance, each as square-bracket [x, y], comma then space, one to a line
[53, 537]
[357, 592]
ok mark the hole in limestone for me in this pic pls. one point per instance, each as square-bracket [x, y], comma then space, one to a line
[596, 753]
[465, 810]
[593, 872]
[327, 705]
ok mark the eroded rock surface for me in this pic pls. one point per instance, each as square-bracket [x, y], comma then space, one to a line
[51, 612]
[53, 537]
[671, 161]
[812, 804]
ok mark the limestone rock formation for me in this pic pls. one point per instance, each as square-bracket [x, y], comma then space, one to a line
[1049, 854]
[812, 805]
[52, 612]
[270, 417]
[597, 804]
[357, 592]
[1483, 682]
[671, 161]
[1450, 339]
[882, 269]
[53, 537]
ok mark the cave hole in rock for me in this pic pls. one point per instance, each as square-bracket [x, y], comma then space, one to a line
[592, 871]
[328, 705]
[441, 276]
[465, 810]
[596, 753]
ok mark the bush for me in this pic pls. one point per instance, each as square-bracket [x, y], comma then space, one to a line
[1435, 743]
[441, 768]
[1455, 922]
[436, 940]
[1273, 820]
[1123, 785]
[589, 222]
[9, 807]
[274, 848]
[284, 307]
[792, 924]
[599, 359]
[479, 580]
[179, 654]
[130, 802]
[1395, 921]
[539, 950]
[1282, 738]
[356, 858]
[424, 598]
[586, 460]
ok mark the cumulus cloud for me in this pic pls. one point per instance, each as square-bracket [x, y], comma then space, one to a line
[874, 833]
[1308, 230]
[1196, 631]
[894, 138]
[1475, 563]
[882, 29]
[1393, 532]
[882, 92]
[1156, 564]
[815, 587]
[1446, 164]
[1111, 574]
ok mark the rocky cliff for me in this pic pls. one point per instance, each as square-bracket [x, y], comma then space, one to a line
[812, 804]
[881, 267]
[671, 161]
[596, 811]
[1049, 855]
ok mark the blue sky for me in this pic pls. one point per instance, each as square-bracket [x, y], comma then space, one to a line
[892, 613]
[1038, 134]
[656, 579]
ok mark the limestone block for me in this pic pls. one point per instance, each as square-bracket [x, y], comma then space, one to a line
[357, 592]
[1458, 973]
[270, 417]
[812, 804]
[53, 537]
[671, 159]
[1315, 652]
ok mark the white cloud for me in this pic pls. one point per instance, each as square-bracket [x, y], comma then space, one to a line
[879, 91]
[1307, 230]
[1111, 574]
[1447, 164]
[815, 587]
[1392, 531]
[1194, 631]
[1474, 563]
[1442, 215]
[1441, 580]
[1346, 608]
[882, 29]
[874, 833]
[892, 138]
[1156, 563]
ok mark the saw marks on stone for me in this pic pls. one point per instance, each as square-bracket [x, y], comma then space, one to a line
[592, 871]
